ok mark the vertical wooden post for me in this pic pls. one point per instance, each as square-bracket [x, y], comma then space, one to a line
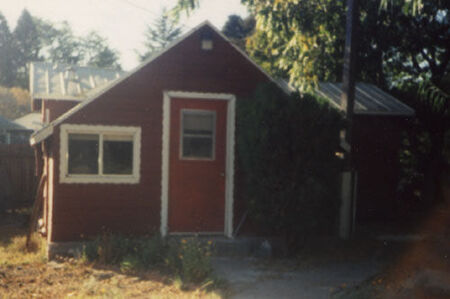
[347, 102]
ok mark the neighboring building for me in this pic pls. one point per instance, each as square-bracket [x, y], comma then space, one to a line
[379, 120]
[31, 122]
[12, 133]
[55, 88]
[153, 150]
[17, 176]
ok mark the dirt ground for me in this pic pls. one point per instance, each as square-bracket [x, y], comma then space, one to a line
[420, 267]
[28, 275]
[71, 280]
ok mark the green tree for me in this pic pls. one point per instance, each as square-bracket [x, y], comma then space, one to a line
[303, 40]
[47, 33]
[159, 34]
[98, 53]
[412, 7]
[27, 46]
[58, 43]
[418, 45]
[7, 67]
[238, 29]
[65, 46]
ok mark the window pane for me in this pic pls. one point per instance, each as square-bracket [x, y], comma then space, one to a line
[83, 154]
[198, 122]
[117, 155]
[198, 134]
[197, 147]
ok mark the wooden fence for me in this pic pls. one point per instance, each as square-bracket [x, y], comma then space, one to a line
[17, 176]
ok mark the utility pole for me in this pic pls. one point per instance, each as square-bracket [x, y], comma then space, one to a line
[347, 103]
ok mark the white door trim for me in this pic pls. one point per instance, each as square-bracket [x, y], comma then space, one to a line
[229, 160]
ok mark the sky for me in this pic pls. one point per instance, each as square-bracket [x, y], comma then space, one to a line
[122, 22]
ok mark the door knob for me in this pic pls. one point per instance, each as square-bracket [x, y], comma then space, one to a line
[222, 174]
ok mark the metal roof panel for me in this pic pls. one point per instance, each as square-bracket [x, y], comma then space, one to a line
[369, 99]
[31, 121]
[63, 81]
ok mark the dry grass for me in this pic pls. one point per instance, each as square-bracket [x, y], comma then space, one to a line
[26, 274]
[13, 250]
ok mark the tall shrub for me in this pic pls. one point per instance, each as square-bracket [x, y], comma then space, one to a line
[286, 146]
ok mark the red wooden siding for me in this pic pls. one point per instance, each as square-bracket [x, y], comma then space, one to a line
[56, 108]
[84, 209]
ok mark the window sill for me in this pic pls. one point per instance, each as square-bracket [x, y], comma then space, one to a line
[97, 179]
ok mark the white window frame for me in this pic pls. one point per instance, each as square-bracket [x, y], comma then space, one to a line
[182, 135]
[65, 177]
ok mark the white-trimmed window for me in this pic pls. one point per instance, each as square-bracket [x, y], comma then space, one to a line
[100, 154]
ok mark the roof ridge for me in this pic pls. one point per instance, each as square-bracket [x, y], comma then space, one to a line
[109, 68]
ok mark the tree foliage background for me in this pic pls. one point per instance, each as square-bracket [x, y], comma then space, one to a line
[238, 29]
[34, 39]
[14, 102]
[159, 34]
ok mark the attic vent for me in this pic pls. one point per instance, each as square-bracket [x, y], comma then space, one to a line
[207, 42]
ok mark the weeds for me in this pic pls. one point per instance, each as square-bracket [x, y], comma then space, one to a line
[195, 260]
[13, 249]
[188, 259]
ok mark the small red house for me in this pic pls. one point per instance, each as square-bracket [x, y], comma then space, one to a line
[151, 150]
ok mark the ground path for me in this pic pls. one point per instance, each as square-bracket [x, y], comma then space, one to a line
[253, 278]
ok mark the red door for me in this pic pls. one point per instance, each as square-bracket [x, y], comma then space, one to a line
[197, 165]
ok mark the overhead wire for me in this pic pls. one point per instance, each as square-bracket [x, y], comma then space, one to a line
[132, 4]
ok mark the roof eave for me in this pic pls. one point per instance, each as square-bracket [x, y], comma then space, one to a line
[57, 97]
[41, 135]
[381, 113]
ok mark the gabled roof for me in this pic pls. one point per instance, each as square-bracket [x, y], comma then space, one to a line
[7, 125]
[58, 81]
[31, 121]
[369, 99]
[48, 130]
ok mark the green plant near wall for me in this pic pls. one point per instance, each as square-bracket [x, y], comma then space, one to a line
[286, 148]
[189, 258]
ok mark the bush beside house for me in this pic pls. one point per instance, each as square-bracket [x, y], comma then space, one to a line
[187, 258]
[286, 147]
